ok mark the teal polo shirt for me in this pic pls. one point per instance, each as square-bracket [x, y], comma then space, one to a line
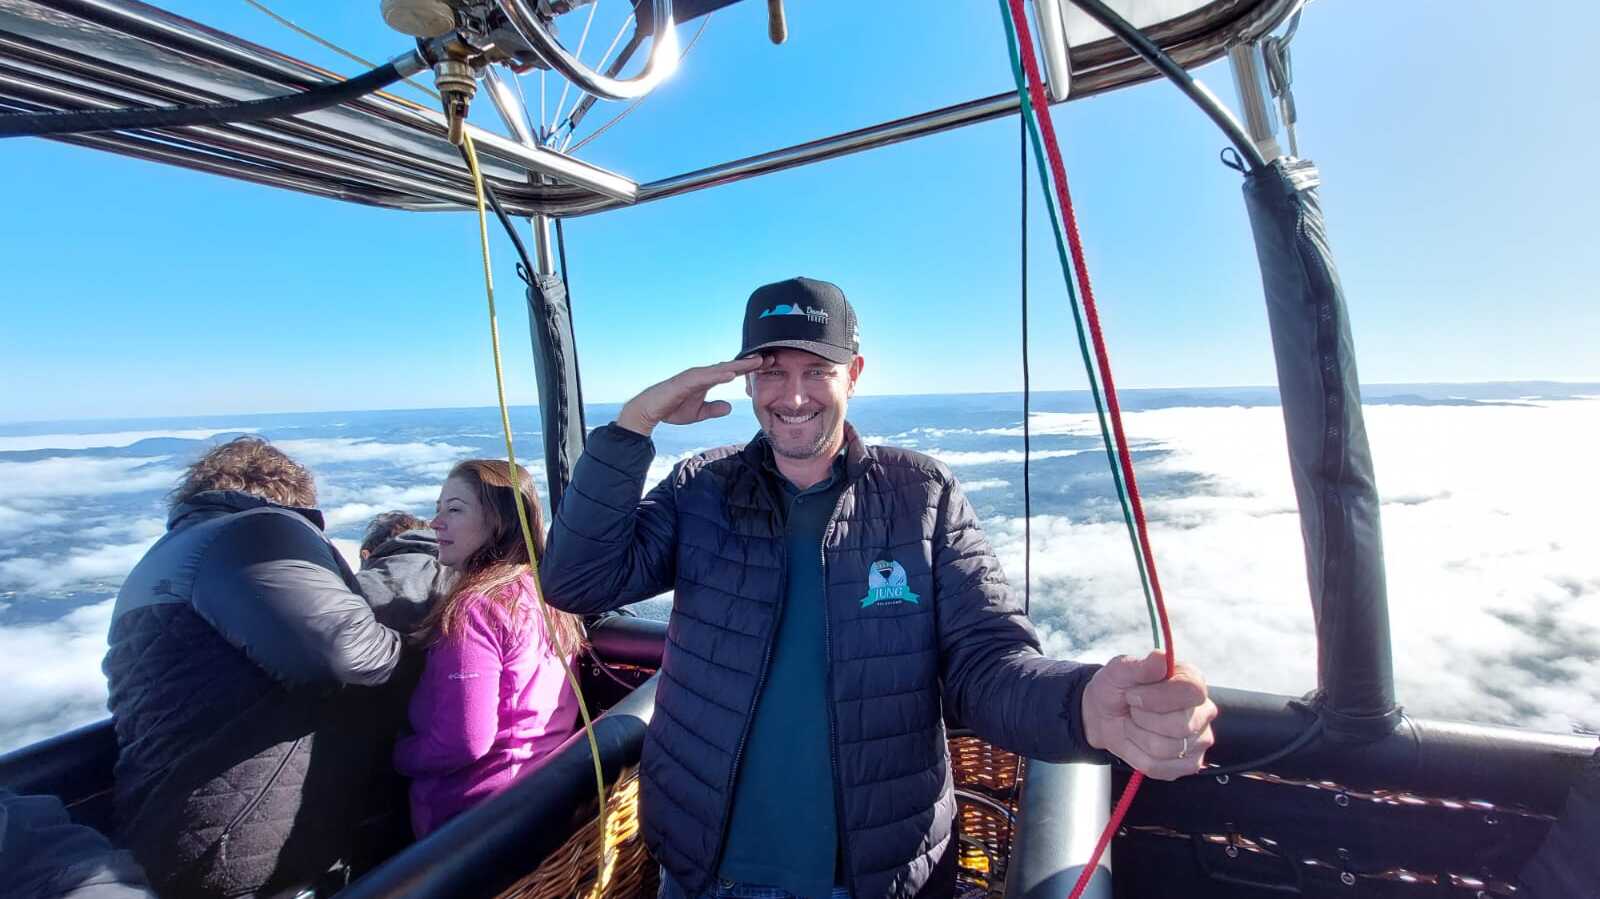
[783, 831]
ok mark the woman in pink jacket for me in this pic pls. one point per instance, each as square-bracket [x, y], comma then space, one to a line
[493, 698]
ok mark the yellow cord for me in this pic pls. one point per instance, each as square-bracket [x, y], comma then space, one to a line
[603, 874]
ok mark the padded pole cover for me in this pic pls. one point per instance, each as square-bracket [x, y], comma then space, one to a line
[555, 362]
[1063, 811]
[1328, 453]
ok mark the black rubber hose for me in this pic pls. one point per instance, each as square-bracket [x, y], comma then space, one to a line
[506, 223]
[1175, 73]
[1312, 731]
[45, 124]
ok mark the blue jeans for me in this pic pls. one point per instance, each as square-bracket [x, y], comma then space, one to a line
[727, 889]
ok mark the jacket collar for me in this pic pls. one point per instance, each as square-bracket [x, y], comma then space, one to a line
[209, 504]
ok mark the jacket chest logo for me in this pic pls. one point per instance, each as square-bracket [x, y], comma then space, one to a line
[886, 583]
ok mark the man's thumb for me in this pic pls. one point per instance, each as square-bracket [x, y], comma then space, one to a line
[1152, 668]
[1122, 672]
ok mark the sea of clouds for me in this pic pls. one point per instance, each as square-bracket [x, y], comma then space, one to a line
[1493, 573]
[1490, 552]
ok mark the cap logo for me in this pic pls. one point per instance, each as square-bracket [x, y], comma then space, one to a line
[812, 314]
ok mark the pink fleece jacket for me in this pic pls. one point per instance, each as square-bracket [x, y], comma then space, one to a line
[492, 700]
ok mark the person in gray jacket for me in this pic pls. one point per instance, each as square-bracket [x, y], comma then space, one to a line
[399, 569]
[245, 671]
[834, 604]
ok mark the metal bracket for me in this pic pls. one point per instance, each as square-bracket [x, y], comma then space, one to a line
[1250, 80]
[1053, 36]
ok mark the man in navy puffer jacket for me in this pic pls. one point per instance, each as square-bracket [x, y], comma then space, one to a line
[834, 603]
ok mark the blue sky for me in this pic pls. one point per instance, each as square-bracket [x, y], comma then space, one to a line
[1452, 148]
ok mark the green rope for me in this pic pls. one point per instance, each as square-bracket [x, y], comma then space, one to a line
[1028, 114]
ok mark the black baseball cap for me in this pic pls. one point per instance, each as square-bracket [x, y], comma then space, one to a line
[801, 314]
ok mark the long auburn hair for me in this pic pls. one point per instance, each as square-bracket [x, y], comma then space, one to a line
[503, 557]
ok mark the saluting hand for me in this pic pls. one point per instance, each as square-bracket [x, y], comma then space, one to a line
[1159, 726]
[681, 399]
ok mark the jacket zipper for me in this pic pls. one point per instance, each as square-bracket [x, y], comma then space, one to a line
[222, 841]
[761, 683]
[833, 724]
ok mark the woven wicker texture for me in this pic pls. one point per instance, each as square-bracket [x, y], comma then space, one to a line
[984, 832]
[570, 870]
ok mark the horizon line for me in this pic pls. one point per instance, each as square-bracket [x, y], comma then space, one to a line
[10, 423]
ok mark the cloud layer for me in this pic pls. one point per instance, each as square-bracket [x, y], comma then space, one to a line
[1493, 574]
[18, 443]
[1493, 578]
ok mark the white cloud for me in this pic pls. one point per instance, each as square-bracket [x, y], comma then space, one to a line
[418, 499]
[351, 550]
[1493, 577]
[52, 675]
[339, 450]
[147, 529]
[955, 458]
[974, 486]
[393, 497]
[350, 513]
[23, 442]
[63, 477]
[101, 567]
[661, 466]
[1493, 581]
[15, 520]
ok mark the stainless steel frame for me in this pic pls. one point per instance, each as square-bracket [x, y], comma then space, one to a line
[1250, 82]
[387, 151]
[663, 60]
[1053, 40]
[381, 150]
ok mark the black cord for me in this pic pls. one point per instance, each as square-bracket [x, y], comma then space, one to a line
[1312, 731]
[506, 223]
[1158, 58]
[1027, 495]
[1027, 393]
[604, 669]
[44, 124]
[526, 265]
[572, 323]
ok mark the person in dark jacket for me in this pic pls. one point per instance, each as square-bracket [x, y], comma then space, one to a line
[399, 569]
[244, 670]
[834, 604]
[44, 854]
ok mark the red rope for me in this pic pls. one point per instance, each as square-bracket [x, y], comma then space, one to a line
[1058, 170]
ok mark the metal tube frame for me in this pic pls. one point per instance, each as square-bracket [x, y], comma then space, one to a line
[1100, 66]
[189, 39]
[1244, 61]
[662, 62]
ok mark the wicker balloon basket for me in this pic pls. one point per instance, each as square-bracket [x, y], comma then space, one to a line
[569, 872]
[986, 781]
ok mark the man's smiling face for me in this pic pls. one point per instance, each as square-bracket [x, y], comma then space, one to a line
[800, 400]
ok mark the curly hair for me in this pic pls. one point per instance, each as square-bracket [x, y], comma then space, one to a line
[385, 526]
[250, 465]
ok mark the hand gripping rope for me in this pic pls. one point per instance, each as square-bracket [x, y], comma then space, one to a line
[1035, 111]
